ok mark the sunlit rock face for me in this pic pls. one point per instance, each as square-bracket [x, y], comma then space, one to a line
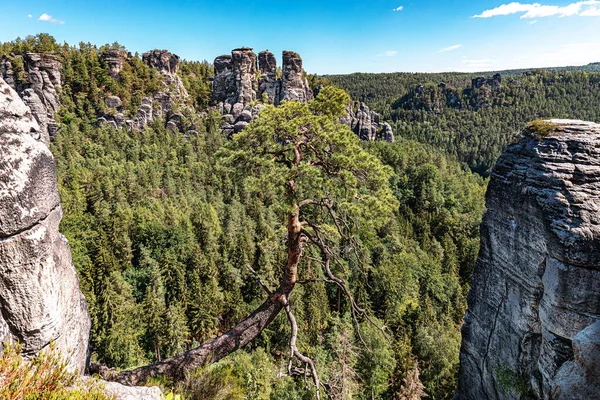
[40, 299]
[536, 286]
[239, 82]
[39, 88]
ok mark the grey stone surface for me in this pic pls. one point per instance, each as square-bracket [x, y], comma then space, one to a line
[269, 86]
[115, 60]
[237, 84]
[112, 101]
[293, 84]
[162, 60]
[40, 300]
[121, 392]
[245, 74]
[537, 279]
[366, 123]
[40, 90]
[580, 378]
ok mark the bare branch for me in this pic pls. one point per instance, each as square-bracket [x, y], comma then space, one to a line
[260, 282]
[294, 352]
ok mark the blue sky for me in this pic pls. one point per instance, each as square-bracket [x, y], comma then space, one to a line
[332, 36]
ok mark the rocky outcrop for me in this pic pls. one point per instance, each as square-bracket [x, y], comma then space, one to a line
[243, 62]
[238, 84]
[294, 85]
[237, 79]
[493, 82]
[160, 105]
[580, 378]
[224, 88]
[536, 287]
[40, 300]
[269, 85]
[174, 91]
[115, 60]
[164, 61]
[38, 86]
[367, 124]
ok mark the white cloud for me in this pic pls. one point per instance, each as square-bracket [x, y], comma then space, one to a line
[398, 8]
[591, 12]
[536, 10]
[533, 22]
[391, 53]
[49, 18]
[450, 48]
[29, 16]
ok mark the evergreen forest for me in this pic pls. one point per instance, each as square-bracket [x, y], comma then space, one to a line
[176, 237]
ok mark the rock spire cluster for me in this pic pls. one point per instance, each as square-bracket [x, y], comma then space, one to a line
[38, 85]
[242, 78]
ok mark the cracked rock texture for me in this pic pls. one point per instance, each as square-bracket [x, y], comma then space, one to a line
[238, 83]
[39, 89]
[40, 300]
[242, 77]
[366, 123]
[535, 294]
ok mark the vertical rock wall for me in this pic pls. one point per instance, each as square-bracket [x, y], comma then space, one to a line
[537, 280]
[40, 299]
[38, 89]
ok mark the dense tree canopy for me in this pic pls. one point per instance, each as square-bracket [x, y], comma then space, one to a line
[475, 124]
[173, 235]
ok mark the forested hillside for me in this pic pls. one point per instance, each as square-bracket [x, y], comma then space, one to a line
[169, 237]
[471, 120]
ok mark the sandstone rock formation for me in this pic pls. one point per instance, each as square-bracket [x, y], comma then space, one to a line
[536, 287]
[493, 82]
[162, 60]
[293, 84]
[160, 105]
[38, 87]
[115, 60]
[237, 78]
[238, 83]
[580, 377]
[367, 124]
[40, 300]
[269, 85]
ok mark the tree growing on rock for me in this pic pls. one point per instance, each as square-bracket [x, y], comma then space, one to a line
[328, 188]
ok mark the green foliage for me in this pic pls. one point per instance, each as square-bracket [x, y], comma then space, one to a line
[46, 376]
[475, 125]
[540, 128]
[162, 225]
[512, 383]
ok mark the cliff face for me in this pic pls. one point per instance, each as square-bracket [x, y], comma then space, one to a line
[366, 123]
[40, 300]
[536, 285]
[159, 105]
[38, 85]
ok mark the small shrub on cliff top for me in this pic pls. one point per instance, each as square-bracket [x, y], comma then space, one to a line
[43, 377]
[540, 128]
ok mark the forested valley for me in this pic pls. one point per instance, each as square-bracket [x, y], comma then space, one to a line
[175, 235]
[469, 118]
